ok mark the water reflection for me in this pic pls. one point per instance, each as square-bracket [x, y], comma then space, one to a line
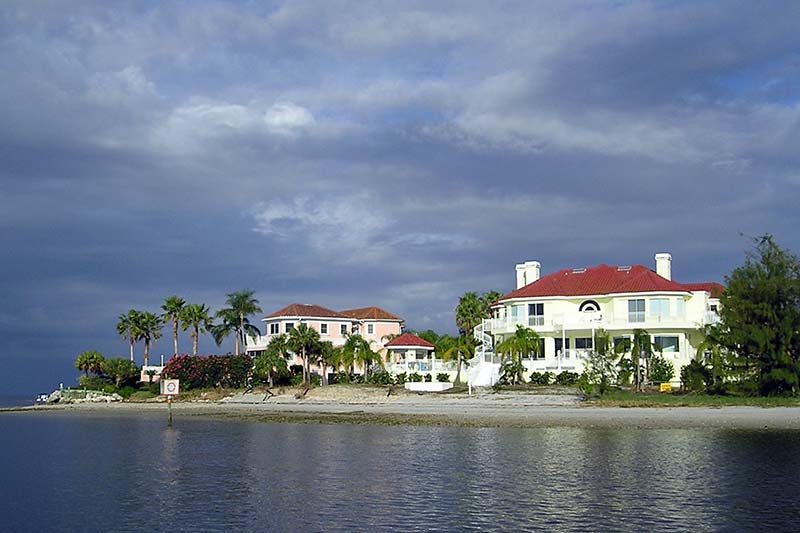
[206, 474]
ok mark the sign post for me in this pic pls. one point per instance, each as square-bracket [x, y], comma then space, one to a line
[170, 387]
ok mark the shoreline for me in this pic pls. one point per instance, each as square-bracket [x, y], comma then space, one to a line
[518, 410]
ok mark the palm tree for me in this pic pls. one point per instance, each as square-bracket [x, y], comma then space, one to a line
[327, 356]
[304, 340]
[469, 312]
[196, 317]
[358, 349]
[127, 327]
[461, 349]
[229, 324]
[172, 310]
[91, 361]
[523, 342]
[149, 326]
[243, 304]
[641, 347]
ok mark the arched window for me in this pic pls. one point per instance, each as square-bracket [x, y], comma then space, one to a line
[589, 306]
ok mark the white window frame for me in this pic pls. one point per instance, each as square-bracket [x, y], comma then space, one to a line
[637, 316]
[274, 328]
[342, 329]
[288, 326]
[323, 328]
[370, 329]
[535, 318]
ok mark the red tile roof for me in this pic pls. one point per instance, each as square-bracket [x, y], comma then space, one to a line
[599, 280]
[409, 339]
[712, 287]
[306, 310]
[370, 313]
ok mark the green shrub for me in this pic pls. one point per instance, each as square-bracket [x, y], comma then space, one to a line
[567, 378]
[296, 369]
[695, 376]
[93, 383]
[661, 370]
[428, 378]
[126, 392]
[401, 378]
[141, 395]
[381, 378]
[443, 377]
[509, 372]
[153, 388]
[296, 379]
[542, 378]
[414, 377]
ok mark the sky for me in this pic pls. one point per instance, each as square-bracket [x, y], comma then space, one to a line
[363, 153]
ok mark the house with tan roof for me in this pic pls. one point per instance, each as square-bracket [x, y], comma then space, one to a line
[566, 308]
[376, 325]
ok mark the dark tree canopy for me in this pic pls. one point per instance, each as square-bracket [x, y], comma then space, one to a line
[760, 316]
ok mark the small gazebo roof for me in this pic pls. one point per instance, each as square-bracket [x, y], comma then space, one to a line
[409, 341]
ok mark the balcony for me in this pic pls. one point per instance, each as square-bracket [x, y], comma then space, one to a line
[595, 320]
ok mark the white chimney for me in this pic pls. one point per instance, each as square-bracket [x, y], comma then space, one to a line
[528, 272]
[664, 265]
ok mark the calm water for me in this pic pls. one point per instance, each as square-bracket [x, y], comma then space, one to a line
[119, 472]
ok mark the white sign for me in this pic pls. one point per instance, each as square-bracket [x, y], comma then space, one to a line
[170, 387]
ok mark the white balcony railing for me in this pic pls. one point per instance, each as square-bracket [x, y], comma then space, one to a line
[422, 365]
[596, 320]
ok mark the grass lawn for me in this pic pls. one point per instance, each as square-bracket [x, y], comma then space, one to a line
[623, 398]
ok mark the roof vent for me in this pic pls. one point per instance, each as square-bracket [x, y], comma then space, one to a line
[578, 270]
[624, 268]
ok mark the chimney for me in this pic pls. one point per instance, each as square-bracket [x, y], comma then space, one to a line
[528, 272]
[664, 265]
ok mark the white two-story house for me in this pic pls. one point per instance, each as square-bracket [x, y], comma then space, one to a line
[566, 308]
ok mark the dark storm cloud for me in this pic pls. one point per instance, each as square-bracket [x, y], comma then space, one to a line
[361, 153]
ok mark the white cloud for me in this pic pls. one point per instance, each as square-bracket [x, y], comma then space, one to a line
[288, 119]
[120, 87]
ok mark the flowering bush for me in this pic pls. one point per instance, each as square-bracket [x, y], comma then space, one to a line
[230, 371]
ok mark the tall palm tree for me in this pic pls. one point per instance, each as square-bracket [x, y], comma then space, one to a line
[304, 340]
[244, 305]
[127, 327]
[469, 312]
[149, 326]
[229, 324]
[196, 317]
[172, 310]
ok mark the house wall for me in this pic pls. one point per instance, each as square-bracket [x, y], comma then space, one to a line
[685, 317]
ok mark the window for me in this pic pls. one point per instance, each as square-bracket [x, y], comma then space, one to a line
[620, 340]
[559, 348]
[516, 312]
[370, 329]
[659, 308]
[583, 343]
[289, 326]
[323, 329]
[713, 308]
[536, 314]
[343, 329]
[636, 310]
[666, 344]
[274, 328]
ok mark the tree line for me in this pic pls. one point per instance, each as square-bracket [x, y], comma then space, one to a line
[144, 326]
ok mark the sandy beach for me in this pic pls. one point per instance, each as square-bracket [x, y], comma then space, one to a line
[482, 409]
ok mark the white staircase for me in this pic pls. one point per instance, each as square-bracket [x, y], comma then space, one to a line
[483, 370]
